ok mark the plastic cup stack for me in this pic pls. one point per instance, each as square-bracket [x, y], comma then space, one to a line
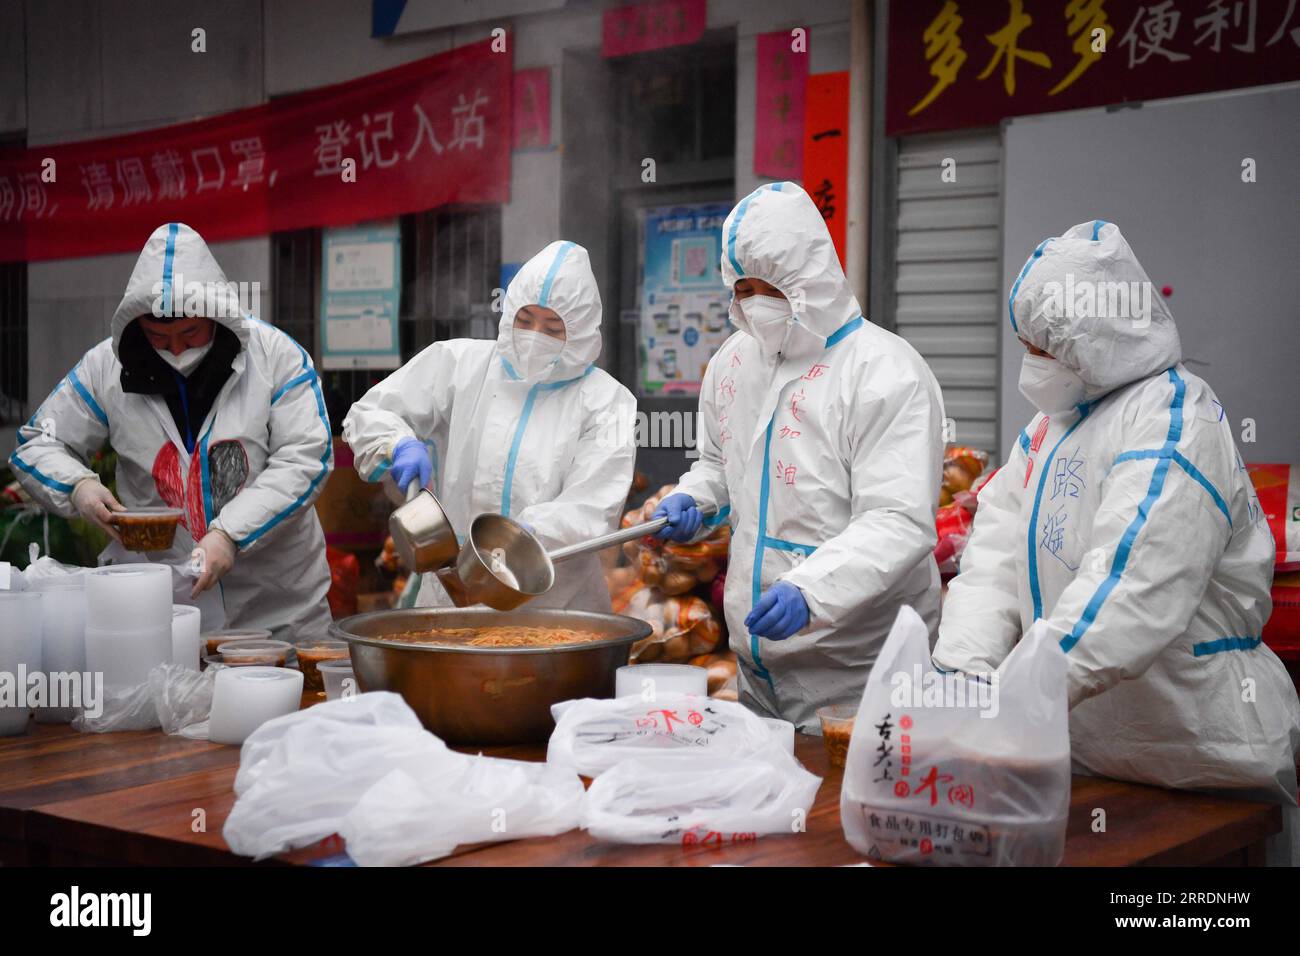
[63, 637]
[20, 651]
[337, 678]
[244, 698]
[653, 679]
[185, 636]
[128, 622]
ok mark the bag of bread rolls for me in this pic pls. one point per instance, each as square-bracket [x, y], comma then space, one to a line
[683, 626]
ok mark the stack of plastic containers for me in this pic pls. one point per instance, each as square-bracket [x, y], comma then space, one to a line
[20, 653]
[128, 622]
[186, 643]
[63, 641]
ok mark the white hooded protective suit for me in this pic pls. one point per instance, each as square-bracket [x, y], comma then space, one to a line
[826, 461]
[1130, 525]
[259, 461]
[555, 450]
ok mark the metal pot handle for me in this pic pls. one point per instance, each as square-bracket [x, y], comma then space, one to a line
[613, 538]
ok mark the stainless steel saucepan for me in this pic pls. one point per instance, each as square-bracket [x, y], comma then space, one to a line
[423, 535]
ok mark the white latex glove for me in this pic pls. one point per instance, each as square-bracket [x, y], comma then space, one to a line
[214, 556]
[96, 503]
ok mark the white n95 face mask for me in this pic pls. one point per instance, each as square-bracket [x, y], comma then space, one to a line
[188, 360]
[769, 320]
[1051, 386]
[536, 351]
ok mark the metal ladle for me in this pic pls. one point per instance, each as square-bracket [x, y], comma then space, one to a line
[502, 565]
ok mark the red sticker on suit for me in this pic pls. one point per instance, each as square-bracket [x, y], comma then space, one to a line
[227, 473]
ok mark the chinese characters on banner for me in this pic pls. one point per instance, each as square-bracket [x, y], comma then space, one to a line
[532, 108]
[431, 132]
[826, 151]
[651, 26]
[780, 80]
[960, 63]
[682, 297]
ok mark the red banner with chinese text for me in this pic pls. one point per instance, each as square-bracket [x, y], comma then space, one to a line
[532, 108]
[780, 74]
[962, 63]
[431, 132]
[826, 152]
[651, 26]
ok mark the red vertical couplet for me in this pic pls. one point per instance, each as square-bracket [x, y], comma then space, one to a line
[826, 151]
[781, 74]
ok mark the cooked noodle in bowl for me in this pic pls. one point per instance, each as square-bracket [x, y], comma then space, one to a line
[498, 636]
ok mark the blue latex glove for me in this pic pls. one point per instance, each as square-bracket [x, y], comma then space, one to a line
[684, 518]
[780, 612]
[411, 463]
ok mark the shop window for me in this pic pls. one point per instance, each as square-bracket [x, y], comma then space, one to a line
[451, 265]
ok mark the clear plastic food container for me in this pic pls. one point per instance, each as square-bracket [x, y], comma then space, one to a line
[146, 529]
[245, 653]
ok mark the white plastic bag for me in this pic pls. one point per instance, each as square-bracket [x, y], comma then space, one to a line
[43, 569]
[365, 768]
[423, 813]
[680, 769]
[592, 735]
[126, 708]
[701, 800]
[181, 697]
[955, 769]
[173, 697]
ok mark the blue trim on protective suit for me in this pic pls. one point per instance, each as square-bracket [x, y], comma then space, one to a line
[40, 476]
[518, 440]
[1125, 548]
[764, 541]
[550, 273]
[1206, 648]
[325, 458]
[168, 258]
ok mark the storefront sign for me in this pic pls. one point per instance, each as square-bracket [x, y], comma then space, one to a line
[781, 75]
[960, 63]
[361, 285]
[826, 151]
[683, 299]
[651, 26]
[431, 132]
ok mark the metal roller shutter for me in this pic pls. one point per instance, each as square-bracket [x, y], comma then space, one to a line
[946, 272]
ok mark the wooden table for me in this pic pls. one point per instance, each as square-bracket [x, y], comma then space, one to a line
[142, 797]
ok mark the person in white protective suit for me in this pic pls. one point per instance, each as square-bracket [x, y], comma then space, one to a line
[1124, 518]
[821, 444]
[531, 428]
[210, 411]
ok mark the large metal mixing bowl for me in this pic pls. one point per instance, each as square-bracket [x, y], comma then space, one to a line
[487, 695]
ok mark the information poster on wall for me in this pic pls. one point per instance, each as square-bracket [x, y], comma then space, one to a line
[361, 284]
[682, 297]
